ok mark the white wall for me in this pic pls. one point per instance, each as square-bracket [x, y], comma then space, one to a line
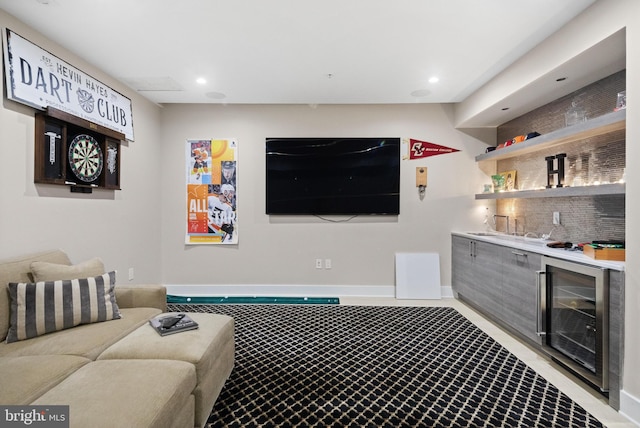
[282, 250]
[121, 227]
[631, 381]
[142, 226]
[598, 22]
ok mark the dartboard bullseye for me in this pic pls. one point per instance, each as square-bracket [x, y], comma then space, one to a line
[85, 158]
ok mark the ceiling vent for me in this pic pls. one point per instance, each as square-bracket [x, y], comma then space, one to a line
[142, 84]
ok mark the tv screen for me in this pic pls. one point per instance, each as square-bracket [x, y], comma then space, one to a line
[322, 176]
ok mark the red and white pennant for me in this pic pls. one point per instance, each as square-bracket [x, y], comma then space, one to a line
[423, 149]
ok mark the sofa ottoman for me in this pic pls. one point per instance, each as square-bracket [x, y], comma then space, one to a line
[210, 349]
[127, 393]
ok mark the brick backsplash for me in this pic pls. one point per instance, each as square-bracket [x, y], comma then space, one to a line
[583, 219]
[600, 159]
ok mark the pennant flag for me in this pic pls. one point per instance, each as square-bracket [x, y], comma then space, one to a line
[423, 149]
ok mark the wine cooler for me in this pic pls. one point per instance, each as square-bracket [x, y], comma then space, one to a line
[573, 318]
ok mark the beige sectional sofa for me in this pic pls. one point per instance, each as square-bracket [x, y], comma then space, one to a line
[114, 372]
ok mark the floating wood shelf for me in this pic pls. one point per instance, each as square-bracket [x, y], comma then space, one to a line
[601, 125]
[603, 189]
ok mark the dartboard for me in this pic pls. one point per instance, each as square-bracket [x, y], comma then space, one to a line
[85, 158]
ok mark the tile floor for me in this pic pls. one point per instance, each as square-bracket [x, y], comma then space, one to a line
[589, 399]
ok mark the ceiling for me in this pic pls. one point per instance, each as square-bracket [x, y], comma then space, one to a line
[299, 51]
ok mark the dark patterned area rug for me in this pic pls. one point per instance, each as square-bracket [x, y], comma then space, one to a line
[365, 366]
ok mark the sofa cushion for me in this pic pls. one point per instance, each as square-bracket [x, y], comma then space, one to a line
[142, 296]
[48, 306]
[127, 393]
[88, 340]
[24, 379]
[18, 269]
[45, 271]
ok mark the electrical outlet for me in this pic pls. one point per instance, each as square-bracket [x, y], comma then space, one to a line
[327, 263]
[318, 263]
[131, 274]
[556, 217]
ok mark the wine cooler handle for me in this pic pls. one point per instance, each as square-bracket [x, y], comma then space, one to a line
[541, 302]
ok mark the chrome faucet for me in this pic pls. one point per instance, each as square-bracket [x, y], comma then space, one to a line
[506, 217]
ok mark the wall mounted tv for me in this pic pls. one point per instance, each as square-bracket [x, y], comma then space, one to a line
[324, 176]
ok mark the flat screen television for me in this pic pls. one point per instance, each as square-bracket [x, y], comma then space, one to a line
[324, 176]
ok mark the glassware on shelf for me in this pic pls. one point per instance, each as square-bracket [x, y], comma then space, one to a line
[622, 101]
[575, 114]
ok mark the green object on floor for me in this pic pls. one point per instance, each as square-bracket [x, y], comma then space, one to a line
[254, 300]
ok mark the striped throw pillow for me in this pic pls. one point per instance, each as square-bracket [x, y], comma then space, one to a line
[48, 306]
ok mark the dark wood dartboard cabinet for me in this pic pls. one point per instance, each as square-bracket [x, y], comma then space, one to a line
[55, 134]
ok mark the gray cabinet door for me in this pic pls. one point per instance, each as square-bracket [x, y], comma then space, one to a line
[476, 273]
[461, 267]
[498, 280]
[487, 277]
[616, 336]
[520, 291]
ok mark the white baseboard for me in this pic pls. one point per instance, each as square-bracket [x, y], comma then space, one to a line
[267, 290]
[263, 290]
[447, 291]
[630, 407]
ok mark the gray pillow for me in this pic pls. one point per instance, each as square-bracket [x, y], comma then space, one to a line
[44, 271]
[48, 306]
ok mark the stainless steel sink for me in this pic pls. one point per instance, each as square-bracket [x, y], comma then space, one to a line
[483, 233]
[513, 238]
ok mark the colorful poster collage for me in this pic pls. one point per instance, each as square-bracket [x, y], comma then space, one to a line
[211, 191]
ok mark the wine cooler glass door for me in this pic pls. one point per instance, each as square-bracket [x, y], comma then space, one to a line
[576, 318]
[572, 327]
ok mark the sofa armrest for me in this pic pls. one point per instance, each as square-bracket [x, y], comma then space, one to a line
[142, 296]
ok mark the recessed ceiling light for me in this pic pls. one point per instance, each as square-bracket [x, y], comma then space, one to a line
[505, 108]
[560, 79]
[43, 1]
[201, 80]
[433, 79]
